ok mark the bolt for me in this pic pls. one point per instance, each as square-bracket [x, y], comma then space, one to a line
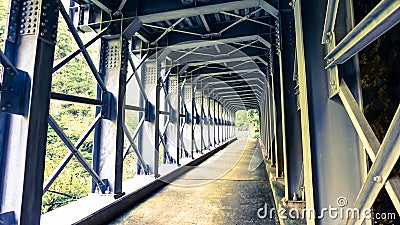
[378, 179]
[294, 196]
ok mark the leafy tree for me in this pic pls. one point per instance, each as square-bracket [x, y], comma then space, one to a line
[74, 78]
[248, 121]
[242, 122]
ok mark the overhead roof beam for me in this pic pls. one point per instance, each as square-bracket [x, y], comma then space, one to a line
[224, 60]
[203, 19]
[232, 87]
[100, 5]
[206, 43]
[230, 81]
[209, 9]
[230, 71]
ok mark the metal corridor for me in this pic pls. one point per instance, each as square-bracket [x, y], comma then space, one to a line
[185, 68]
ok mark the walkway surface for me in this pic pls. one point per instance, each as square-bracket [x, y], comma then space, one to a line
[228, 188]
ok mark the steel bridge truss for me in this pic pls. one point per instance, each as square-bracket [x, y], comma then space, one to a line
[191, 67]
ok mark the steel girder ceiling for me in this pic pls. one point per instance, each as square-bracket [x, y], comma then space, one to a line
[221, 39]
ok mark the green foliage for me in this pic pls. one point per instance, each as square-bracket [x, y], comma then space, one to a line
[248, 121]
[256, 134]
[242, 122]
[130, 162]
[75, 78]
[3, 21]
[252, 114]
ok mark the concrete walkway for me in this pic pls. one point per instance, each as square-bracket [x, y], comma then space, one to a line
[228, 188]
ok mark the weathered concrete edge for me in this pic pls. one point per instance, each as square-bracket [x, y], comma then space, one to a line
[274, 185]
[115, 209]
[271, 179]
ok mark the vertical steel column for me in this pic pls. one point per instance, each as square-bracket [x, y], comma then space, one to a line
[109, 136]
[178, 122]
[210, 122]
[202, 143]
[220, 119]
[265, 116]
[198, 120]
[172, 130]
[331, 149]
[192, 117]
[262, 123]
[277, 110]
[147, 143]
[226, 123]
[221, 122]
[157, 126]
[271, 123]
[30, 44]
[229, 124]
[267, 128]
[214, 122]
[216, 125]
[233, 124]
[291, 131]
[221, 125]
[261, 118]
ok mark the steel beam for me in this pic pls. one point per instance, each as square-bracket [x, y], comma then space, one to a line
[53, 176]
[208, 9]
[222, 60]
[385, 161]
[109, 135]
[202, 44]
[383, 17]
[330, 19]
[147, 142]
[23, 137]
[369, 140]
[157, 126]
[85, 53]
[328, 143]
[291, 132]
[304, 114]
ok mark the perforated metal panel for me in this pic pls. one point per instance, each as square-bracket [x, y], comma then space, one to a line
[188, 92]
[30, 17]
[198, 97]
[172, 86]
[112, 55]
[151, 73]
[205, 103]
